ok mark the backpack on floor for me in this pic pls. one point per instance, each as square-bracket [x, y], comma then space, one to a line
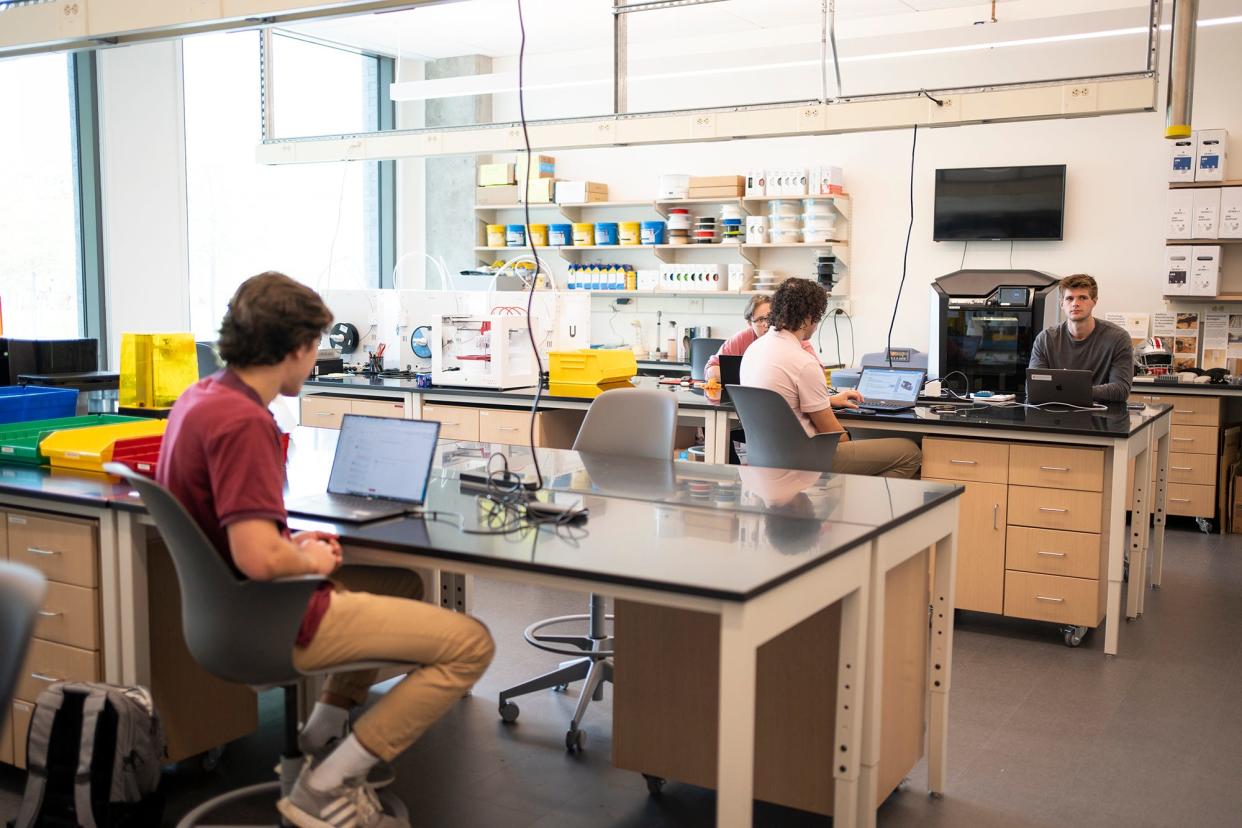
[93, 755]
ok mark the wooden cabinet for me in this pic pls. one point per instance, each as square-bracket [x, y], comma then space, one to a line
[23, 712]
[394, 409]
[1188, 410]
[1193, 439]
[48, 662]
[457, 422]
[64, 549]
[966, 460]
[1055, 508]
[6, 736]
[327, 410]
[981, 546]
[1056, 467]
[1194, 448]
[70, 615]
[1078, 601]
[508, 427]
[1054, 552]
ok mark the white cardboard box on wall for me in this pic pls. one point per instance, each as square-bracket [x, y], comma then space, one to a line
[1177, 269]
[1230, 213]
[1205, 270]
[1182, 159]
[1211, 146]
[1207, 213]
[1180, 211]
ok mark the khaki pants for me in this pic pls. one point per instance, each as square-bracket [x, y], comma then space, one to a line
[375, 616]
[882, 457]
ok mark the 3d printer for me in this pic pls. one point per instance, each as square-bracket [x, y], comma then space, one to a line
[483, 352]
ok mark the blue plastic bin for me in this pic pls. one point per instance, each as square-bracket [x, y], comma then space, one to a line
[19, 403]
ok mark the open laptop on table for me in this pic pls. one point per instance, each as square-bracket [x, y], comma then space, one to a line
[730, 373]
[1058, 385]
[890, 389]
[380, 469]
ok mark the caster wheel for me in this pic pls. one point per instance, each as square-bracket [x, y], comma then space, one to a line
[560, 688]
[509, 712]
[575, 740]
[1205, 525]
[1074, 636]
[655, 784]
[211, 759]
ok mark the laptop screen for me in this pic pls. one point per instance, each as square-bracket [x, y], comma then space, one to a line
[901, 384]
[383, 457]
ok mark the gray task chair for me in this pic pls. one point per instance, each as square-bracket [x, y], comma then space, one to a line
[208, 359]
[240, 631]
[21, 595]
[701, 350]
[774, 435]
[631, 423]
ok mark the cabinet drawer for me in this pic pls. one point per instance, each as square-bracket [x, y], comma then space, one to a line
[456, 422]
[4, 537]
[975, 461]
[1189, 500]
[6, 737]
[505, 426]
[981, 547]
[378, 408]
[1193, 439]
[324, 412]
[1053, 552]
[1052, 598]
[1199, 469]
[1054, 509]
[63, 549]
[47, 662]
[70, 615]
[23, 712]
[1056, 467]
[1187, 410]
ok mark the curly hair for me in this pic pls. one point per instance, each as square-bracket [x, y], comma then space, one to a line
[269, 317]
[796, 301]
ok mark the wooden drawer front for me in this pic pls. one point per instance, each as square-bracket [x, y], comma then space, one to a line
[456, 422]
[1052, 598]
[379, 408]
[1187, 410]
[510, 427]
[1053, 552]
[23, 712]
[1193, 439]
[47, 662]
[6, 736]
[4, 536]
[324, 412]
[1054, 509]
[1055, 467]
[63, 549]
[1190, 500]
[70, 615]
[976, 461]
[1199, 469]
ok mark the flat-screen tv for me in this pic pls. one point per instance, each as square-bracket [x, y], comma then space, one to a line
[1000, 203]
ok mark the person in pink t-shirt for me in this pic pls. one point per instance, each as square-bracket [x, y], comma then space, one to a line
[756, 316]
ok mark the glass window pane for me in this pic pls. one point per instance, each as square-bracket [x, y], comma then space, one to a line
[320, 90]
[316, 222]
[39, 284]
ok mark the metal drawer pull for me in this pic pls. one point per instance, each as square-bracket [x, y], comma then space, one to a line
[1180, 499]
[44, 677]
[324, 413]
[1051, 509]
[50, 614]
[1184, 411]
[446, 422]
[1046, 598]
[1051, 554]
[1183, 439]
[506, 428]
[1055, 468]
[965, 462]
[34, 550]
[995, 512]
[1181, 468]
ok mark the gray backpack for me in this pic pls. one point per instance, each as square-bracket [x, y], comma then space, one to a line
[93, 754]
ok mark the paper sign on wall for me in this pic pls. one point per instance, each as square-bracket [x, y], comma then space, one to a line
[1182, 330]
[1215, 340]
[1234, 349]
[1135, 324]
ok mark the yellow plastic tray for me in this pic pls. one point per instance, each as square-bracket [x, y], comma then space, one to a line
[87, 449]
[592, 366]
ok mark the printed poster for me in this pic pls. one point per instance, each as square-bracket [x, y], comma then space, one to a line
[1182, 329]
[1134, 324]
[1234, 348]
[1215, 340]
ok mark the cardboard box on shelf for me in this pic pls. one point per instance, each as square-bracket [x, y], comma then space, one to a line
[1230, 213]
[1204, 270]
[1211, 147]
[1180, 211]
[756, 183]
[729, 191]
[541, 166]
[717, 181]
[540, 190]
[826, 180]
[494, 175]
[1182, 159]
[1177, 269]
[1206, 213]
[580, 192]
[491, 196]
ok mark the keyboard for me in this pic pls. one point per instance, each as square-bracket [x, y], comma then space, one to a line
[887, 405]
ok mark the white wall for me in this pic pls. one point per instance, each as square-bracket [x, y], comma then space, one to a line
[142, 140]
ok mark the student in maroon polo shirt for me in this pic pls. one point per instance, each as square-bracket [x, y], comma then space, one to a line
[222, 459]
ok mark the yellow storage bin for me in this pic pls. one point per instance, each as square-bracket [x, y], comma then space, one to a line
[87, 449]
[591, 366]
[156, 368]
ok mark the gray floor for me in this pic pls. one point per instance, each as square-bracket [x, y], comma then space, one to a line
[1040, 734]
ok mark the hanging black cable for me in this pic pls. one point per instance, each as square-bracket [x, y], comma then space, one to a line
[905, 257]
[534, 254]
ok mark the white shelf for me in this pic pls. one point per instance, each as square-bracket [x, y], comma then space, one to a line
[548, 205]
[681, 294]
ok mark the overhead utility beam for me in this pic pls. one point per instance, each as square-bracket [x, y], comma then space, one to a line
[1181, 69]
[35, 26]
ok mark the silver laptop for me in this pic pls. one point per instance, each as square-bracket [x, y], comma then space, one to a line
[1058, 385]
[380, 470]
[890, 389]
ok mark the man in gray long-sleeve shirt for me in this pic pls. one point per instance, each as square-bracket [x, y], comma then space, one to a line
[1086, 343]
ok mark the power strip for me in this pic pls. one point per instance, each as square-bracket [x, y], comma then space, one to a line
[989, 397]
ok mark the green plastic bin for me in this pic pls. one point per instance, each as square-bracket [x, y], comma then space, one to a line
[19, 442]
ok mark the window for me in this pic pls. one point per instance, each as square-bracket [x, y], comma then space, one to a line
[40, 289]
[319, 223]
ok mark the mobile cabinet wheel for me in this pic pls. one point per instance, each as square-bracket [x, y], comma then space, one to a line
[509, 712]
[575, 740]
[211, 758]
[655, 784]
[1205, 525]
[1074, 635]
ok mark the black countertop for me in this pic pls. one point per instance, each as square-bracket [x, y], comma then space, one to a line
[1193, 389]
[1115, 421]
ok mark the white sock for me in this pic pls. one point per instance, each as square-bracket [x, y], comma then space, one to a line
[326, 722]
[350, 760]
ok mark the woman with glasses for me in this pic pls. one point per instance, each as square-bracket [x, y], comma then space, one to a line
[756, 316]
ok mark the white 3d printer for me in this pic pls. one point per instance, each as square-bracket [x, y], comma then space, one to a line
[483, 352]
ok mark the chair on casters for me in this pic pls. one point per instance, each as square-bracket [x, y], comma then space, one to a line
[21, 595]
[774, 435]
[240, 631]
[701, 350]
[629, 422]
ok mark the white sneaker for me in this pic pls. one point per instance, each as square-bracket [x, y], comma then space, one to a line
[352, 805]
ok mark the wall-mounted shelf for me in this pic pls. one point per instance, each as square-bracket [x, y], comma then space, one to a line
[1189, 185]
[663, 252]
[1196, 242]
[1211, 300]
[683, 294]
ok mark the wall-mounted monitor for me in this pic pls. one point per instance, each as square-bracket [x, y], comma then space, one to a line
[1000, 203]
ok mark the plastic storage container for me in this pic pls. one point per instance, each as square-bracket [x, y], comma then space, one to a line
[19, 442]
[653, 232]
[87, 449]
[496, 235]
[139, 453]
[156, 368]
[605, 233]
[515, 235]
[779, 236]
[630, 233]
[584, 234]
[19, 403]
[539, 235]
[560, 235]
[591, 366]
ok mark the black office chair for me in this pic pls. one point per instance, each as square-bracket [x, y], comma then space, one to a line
[240, 631]
[208, 359]
[21, 595]
[774, 435]
[630, 422]
[701, 350]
